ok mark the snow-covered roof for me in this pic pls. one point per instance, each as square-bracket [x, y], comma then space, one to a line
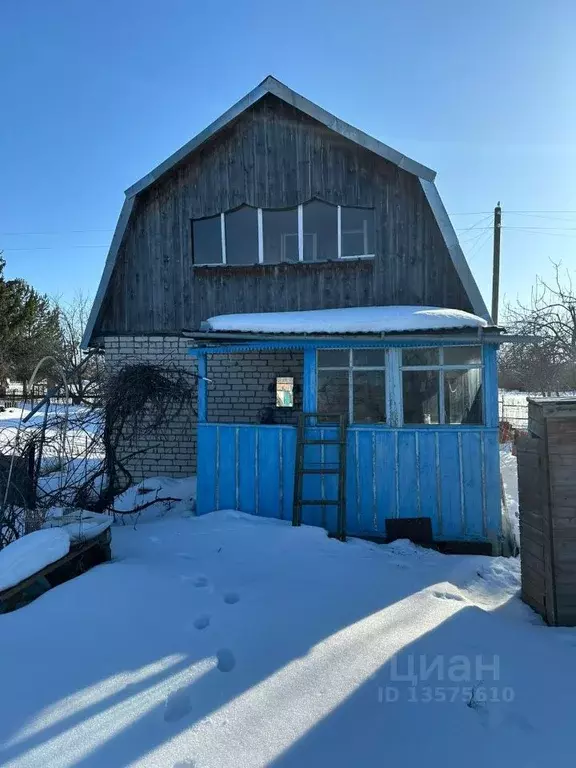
[349, 320]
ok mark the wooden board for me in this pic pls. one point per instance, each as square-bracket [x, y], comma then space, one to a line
[391, 474]
[273, 156]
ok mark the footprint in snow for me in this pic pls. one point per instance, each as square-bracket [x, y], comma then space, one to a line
[201, 581]
[231, 597]
[185, 764]
[226, 660]
[177, 706]
[449, 596]
[201, 622]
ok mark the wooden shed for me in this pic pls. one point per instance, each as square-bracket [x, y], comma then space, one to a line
[547, 495]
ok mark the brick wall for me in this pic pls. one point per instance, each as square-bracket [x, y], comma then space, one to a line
[172, 450]
[241, 390]
[243, 387]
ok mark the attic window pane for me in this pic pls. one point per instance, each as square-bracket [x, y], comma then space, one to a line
[280, 235]
[357, 231]
[320, 231]
[207, 241]
[242, 236]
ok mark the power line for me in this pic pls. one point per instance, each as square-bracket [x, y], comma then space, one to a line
[481, 213]
[532, 231]
[478, 245]
[527, 226]
[541, 216]
[61, 232]
[53, 248]
[476, 225]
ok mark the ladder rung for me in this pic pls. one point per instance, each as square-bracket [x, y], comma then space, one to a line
[320, 471]
[316, 502]
[323, 442]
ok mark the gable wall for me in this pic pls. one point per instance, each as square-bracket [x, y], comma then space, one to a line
[273, 156]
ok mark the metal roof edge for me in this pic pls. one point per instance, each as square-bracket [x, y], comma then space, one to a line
[471, 335]
[456, 254]
[346, 130]
[221, 122]
[108, 269]
[276, 88]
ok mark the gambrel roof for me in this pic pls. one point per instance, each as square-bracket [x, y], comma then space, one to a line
[272, 86]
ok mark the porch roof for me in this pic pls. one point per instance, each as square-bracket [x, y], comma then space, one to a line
[347, 320]
[223, 343]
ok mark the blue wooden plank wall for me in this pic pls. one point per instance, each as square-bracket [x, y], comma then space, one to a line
[451, 475]
[246, 467]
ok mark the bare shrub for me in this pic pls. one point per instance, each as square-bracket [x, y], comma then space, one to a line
[80, 456]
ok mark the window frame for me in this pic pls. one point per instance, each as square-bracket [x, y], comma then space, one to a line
[394, 394]
[351, 368]
[260, 223]
[441, 367]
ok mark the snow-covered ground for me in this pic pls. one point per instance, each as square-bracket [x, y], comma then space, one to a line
[509, 471]
[82, 425]
[232, 640]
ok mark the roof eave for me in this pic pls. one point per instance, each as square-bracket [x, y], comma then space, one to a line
[485, 335]
[456, 254]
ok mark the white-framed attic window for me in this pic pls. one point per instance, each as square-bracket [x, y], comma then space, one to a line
[315, 231]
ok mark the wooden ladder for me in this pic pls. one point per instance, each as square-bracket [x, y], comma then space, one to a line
[329, 420]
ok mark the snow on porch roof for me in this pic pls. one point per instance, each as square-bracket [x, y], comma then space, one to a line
[349, 320]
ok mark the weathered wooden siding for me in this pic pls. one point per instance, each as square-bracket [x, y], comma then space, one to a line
[547, 495]
[274, 157]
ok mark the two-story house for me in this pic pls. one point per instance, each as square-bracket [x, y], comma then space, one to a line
[279, 207]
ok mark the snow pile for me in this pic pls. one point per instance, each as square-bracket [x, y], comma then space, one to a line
[180, 492]
[351, 320]
[509, 472]
[79, 524]
[28, 555]
[229, 640]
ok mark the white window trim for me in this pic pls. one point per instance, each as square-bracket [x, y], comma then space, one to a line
[393, 369]
[300, 233]
[351, 368]
[260, 219]
[260, 237]
[223, 237]
[440, 367]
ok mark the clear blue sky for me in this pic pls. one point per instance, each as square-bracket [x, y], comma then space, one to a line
[95, 94]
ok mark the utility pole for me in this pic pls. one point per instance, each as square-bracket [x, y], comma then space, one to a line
[496, 263]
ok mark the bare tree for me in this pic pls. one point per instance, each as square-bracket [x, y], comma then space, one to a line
[83, 370]
[547, 364]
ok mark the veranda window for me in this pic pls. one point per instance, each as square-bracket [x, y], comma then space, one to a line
[442, 385]
[352, 382]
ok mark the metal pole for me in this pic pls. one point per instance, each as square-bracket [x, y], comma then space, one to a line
[496, 263]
